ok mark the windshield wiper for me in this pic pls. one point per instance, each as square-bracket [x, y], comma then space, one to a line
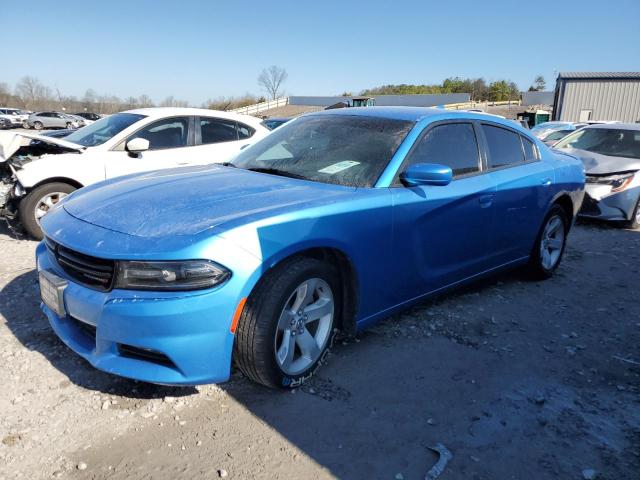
[275, 171]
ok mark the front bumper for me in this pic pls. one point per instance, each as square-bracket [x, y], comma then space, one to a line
[600, 203]
[182, 338]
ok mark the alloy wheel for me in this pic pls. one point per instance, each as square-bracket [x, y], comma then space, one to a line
[553, 238]
[304, 326]
[46, 203]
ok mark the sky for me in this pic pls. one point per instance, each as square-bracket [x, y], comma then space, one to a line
[196, 50]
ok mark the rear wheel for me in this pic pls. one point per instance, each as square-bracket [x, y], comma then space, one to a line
[288, 323]
[38, 203]
[550, 244]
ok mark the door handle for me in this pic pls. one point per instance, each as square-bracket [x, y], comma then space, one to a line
[485, 200]
[546, 182]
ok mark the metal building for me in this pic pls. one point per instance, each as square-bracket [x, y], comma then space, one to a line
[583, 96]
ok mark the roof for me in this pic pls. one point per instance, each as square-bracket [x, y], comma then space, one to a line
[411, 114]
[395, 113]
[616, 126]
[161, 112]
[599, 75]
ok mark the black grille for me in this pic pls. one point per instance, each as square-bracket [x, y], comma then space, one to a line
[145, 354]
[90, 271]
[86, 328]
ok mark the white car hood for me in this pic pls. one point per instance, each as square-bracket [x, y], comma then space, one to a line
[10, 143]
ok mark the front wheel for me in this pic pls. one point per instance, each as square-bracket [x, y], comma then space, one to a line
[38, 203]
[550, 244]
[287, 325]
[634, 221]
[37, 125]
[69, 126]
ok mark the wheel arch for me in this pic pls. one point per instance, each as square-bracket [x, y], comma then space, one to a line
[564, 201]
[70, 181]
[347, 274]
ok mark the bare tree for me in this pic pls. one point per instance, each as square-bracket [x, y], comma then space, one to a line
[145, 101]
[271, 80]
[32, 92]
[5, 94]
[173, 102]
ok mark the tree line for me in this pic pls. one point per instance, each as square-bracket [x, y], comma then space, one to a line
[31, 94]
[477, 88]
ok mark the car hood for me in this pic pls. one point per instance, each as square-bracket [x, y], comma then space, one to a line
[187, 201]
[10, 143]
[598, 164]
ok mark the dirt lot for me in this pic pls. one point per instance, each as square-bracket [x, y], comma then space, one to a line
[518, 379]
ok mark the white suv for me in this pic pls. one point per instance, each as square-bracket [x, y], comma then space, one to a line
[14, 115]
[42, 170]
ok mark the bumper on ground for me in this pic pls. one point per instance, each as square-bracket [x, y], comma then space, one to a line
[177, 339]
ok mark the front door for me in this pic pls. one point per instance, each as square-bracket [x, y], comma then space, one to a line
[442, 234]
[169, 146]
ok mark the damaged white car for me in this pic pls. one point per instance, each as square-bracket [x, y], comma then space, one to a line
[37, 171]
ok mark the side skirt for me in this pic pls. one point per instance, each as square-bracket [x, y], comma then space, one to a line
[365, 322]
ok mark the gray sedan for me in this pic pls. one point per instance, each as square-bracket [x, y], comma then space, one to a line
[611, 157]
[42, 120]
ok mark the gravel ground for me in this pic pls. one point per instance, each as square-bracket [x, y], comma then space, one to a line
[511, 375]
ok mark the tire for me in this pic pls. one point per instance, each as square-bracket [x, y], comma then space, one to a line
[25, 125]
[27, 209]
[634, 222]
[37, 125]
[69, 125]
[261, 336]
[544, 257]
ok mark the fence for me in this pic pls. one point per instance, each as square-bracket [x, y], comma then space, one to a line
[262, 106]
[467, 105]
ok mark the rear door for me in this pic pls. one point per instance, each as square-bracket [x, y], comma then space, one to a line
[523, 189]
[442, 234]
[170, 140]
[219, 139]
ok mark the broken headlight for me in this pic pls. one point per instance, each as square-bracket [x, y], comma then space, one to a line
[170, 275]
[617, 182]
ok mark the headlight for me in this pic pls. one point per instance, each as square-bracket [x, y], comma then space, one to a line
[171, 275]
[617, 182]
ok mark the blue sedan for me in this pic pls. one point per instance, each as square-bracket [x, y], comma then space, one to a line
[334, 221]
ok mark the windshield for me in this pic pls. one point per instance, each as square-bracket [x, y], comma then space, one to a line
[605, 141]
[557, 135]
[340, 149]
[102, 130]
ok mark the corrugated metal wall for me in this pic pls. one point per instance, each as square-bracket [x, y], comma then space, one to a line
[607, 99]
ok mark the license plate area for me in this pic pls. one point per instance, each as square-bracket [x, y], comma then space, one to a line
[52, 291]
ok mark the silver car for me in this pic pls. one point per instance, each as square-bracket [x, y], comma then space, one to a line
[611, 157]
[42, 120]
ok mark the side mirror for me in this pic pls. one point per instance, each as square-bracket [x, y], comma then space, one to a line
[137, 145]
[426, 174]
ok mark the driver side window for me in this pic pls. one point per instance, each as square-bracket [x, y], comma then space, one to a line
[165, 133]
[451, 144]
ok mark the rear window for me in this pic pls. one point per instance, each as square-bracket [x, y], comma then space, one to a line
[504, 146]
[530, 152]
[217, 130]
